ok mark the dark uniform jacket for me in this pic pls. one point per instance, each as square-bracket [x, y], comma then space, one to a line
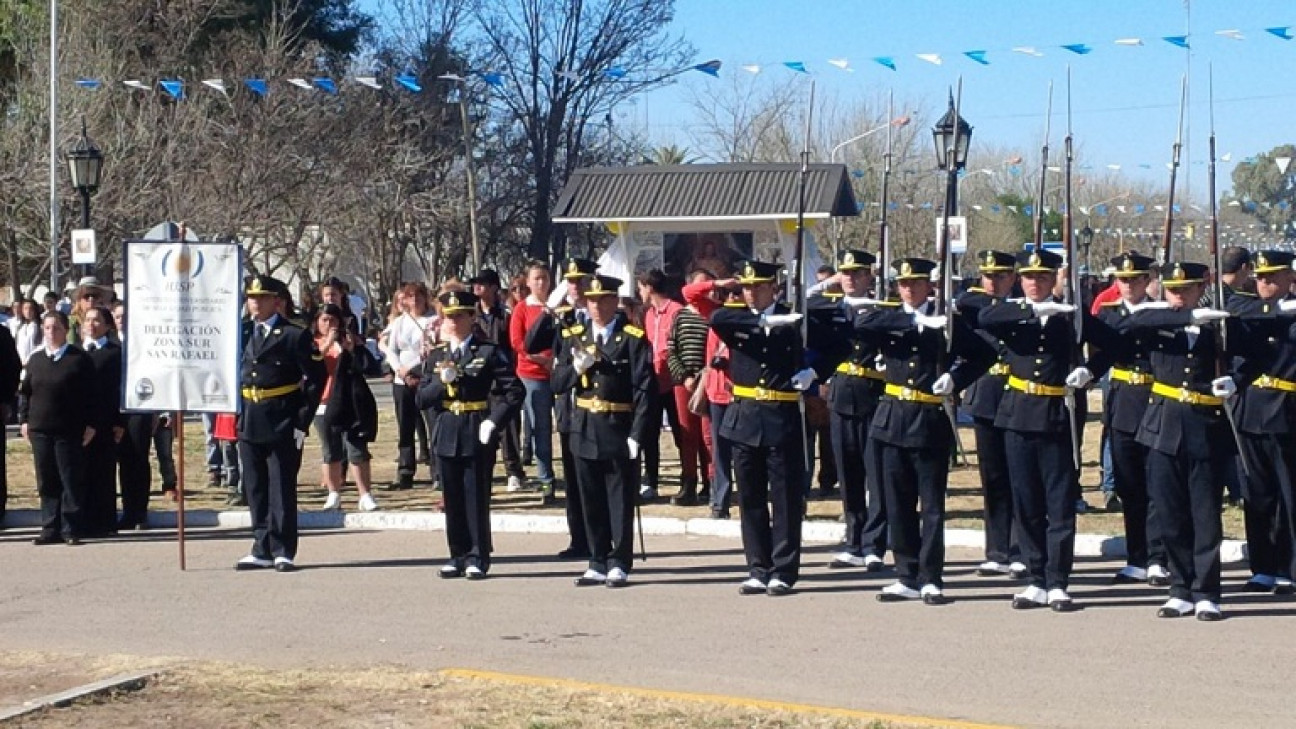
[103, 411]
[981, 399]
[622, 375]
[10, 368]
[1042, 355]
[914, 360]
[485, 375]
[1127, 402]
[1266, 344]
[760, 359]
[547, 333]
[287, 356]
[1170, 425]
[838, 346]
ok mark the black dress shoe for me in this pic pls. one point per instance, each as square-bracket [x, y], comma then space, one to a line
[285, 567]
[1159, 581]
[936, 599]
[1064, 606]
[778, 588]
[1169, 612]
[1285, 589]
[719, 513]
[1253, 586]
[1021, 603]
[47, 539]
[574, 553]
[590, 580]
[892, 597]
[686, 498]
[1123, 579]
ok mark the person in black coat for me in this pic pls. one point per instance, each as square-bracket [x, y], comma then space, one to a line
[856, 386]
[606, 369]
[10, 370]
[99, 506]
[1187, 435]
[767, 365]
[1038, 339]
[347, 418]
[459, 377]
[981, 401]
[59, 381]
[911, 428]
[281, 374]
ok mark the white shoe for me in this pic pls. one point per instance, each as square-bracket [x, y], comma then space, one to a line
[1018, 571]
[1175, 608]
[933, 595]
[283, 564]
[1207, 611]
[752, 586]
[333, 501]
[515, 484]
[1031, 597]
[1158, 576]
[846, 559]
[617, 577]
[991, 568]
[367, 503]
[1060, 601]
[778, 587]
[475, 573]
[591, 577]
[896, 592]
[873, 563]
[252, 562]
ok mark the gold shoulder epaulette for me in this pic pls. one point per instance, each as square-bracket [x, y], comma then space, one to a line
[574, 331]
[633, 331]
[1106, 304]
[889, 302]
[976, 290]
[734, 305]
[1245, 293]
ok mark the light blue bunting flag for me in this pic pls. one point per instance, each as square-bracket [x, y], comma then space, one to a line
[978, 56]
[256, 86]
[887, 61]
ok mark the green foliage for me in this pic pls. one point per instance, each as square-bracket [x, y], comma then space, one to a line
[1264, 192]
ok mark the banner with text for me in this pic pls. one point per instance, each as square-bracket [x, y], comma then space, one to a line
[182, 326]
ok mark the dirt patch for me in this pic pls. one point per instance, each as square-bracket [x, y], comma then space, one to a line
[211, 695]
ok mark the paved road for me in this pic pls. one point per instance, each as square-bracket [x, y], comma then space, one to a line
[373, 597]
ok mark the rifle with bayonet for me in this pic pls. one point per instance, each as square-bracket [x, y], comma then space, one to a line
[1071, 289]
[1217, 263]
[1167, 234]
[797, 281]
[884, 232]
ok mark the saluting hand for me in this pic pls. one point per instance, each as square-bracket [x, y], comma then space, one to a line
[1051, 308]
[770, 321]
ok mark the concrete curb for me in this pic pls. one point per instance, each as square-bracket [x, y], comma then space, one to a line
[812, 532]
[123, 682]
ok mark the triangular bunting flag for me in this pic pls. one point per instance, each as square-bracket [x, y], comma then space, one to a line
[409, 82]
[1013, 208]
[89, 83]
[1028, 50]
[1121, 208]
[1114, 167]
[135, 84]
[1282, 163]
[174, 88]
[797, 66]
[1078, 48]
[978, 56]
[497, 79]
[369, 81]
[616, 73]
[256, 86]
[887, 61]
[710, 68]
[1176, 208]
[1234, 34]
[300, 83]
[751, 68]
[1177, 40]
[325, 84]
[841, 63]
[1226, 157]
[216, 84]
[1129, 41]
[1283, 32]
[933, 58]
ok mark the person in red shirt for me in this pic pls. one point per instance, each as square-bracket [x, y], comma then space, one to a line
[705, 297]
[660, 311]
[534, 370]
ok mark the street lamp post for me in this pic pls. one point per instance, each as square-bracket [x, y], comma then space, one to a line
[468, 166]
[899, 121]
[85, 164]
[1086, 240]
[952, 135]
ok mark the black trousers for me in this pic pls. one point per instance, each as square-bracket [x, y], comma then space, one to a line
[608, 493]
[1043, 479]
[1143, 542]
[829, 472]
[410, 426]
[914, 478]
[996, 493]
[4, 475]
[651, 451]
[1188, 493]
[60, 470]
[863, 504]
[1268, 506]
[270, 482]
[135, 469]
[466, 487]
[99, 497]
[511, 448]
[771, 476]
[572, 489]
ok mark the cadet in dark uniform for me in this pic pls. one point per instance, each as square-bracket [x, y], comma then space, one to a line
[911, 430]
[767, 367]
[851, 361]
[1187, 436]
[99, 503]
[1266, 419]
[468, 389]
[1037, 335]
[550, 333]
[981, 402]
[1127, 400]
[282, 375]
[606, 369]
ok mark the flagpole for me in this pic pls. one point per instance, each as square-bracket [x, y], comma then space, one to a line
[53, 150]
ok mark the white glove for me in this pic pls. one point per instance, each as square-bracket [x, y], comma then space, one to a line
[633, 446]
[582, 361]
[1079, 377]
[1147, 305]
[1050, 308]
[485, 430]
[1287, 305]
[860, 303]
[944, 385]
[770, 321]
[448, 373]
[1223, 387]
[1205, 316]
[803, 379]
[930, 322]
[299, 437]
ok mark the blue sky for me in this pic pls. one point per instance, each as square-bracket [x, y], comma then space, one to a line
[1124, 99]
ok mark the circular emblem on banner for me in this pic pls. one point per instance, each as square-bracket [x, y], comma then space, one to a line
[144, 389]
